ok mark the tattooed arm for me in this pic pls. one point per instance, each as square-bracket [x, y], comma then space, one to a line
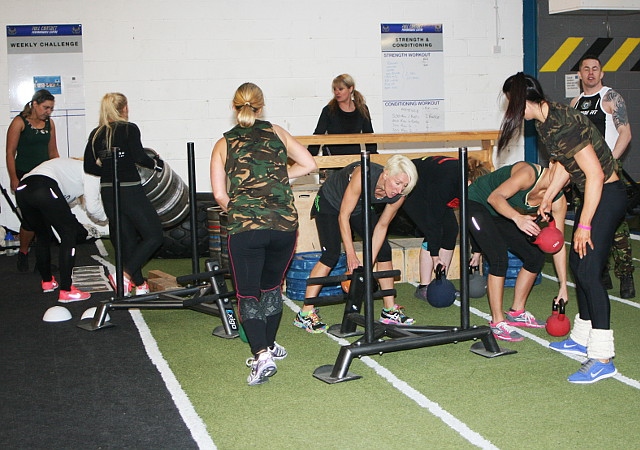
[613, 103]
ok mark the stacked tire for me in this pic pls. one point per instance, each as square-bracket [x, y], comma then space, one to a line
[169, 195]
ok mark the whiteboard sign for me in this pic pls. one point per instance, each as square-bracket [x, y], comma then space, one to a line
[50, 57]
[571, 85]
[413, 78]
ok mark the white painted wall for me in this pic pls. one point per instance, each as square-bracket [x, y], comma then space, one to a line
[179, 63]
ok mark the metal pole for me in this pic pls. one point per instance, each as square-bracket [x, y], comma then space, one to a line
[464, 245]
[366, 245]
[193, 209]
[10, 203]
[115, 153]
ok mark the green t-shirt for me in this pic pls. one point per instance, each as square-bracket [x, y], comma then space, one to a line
[480, 190]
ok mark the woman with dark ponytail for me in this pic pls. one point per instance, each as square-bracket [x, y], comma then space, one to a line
[31, 140]
[578, 154]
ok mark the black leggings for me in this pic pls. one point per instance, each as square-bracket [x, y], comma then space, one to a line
[495, 235]
[43, 206]
[593, 299]
[329, 233]
[259, 260]
[140, 228]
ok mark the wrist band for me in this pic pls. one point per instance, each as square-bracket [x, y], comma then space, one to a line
[584, 227]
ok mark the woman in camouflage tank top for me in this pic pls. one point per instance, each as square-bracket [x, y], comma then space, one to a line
[579, 155]
[250, 181]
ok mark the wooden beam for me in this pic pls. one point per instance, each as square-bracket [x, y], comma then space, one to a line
[395, 138]
[484, 139]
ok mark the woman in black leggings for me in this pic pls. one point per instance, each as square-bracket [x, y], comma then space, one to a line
[502, 212]
[140, 226]
[578, 153]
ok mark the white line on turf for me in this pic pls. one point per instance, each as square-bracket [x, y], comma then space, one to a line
[188, 413]
[422, 401]
[623, 379]
[612, 297]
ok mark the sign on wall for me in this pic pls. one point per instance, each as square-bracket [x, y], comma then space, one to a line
[413, 78]
[50, 57]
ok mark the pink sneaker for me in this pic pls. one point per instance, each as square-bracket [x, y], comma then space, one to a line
[72, 295]
[522, 319]
[127, 284]
[505, 332]
[49, 286]
[143, 289]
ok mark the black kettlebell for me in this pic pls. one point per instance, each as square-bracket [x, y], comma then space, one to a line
[441, 292]
[477, 283]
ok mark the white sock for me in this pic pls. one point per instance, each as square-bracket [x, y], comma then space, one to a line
[600, 344]
[580, 332]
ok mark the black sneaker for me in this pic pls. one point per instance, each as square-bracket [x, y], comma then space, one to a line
[627, 287]
[23, 262]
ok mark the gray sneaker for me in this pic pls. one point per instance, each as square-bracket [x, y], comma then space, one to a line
[421, 293]
[261, 369]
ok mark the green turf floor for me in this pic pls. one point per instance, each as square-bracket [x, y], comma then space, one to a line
[436, 397]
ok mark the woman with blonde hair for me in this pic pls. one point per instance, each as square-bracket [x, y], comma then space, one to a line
[346, 113]
[338, 210]
[140, 227]
[250, 181]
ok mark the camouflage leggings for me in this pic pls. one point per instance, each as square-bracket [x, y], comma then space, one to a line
[621, 252]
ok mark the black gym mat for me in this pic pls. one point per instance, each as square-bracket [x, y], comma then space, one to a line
[64, 387]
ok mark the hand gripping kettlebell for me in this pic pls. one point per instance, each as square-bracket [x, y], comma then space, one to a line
[558, 324]
[441, 292]
[477, 283]
[550, 239]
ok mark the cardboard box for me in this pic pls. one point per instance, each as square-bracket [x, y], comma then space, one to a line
[161, 281]
[308, 240]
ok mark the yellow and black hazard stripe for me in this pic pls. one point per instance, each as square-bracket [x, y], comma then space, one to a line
[615, 61]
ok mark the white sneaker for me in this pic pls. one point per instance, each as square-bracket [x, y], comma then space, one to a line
[277, 351]
[92, 232]
[261, 369]
[125, 281]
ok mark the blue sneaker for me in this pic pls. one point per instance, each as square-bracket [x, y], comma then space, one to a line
[569, 346]
[592, 371]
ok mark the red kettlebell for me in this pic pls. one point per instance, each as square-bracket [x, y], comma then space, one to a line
[558, 324]
[550, 239]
